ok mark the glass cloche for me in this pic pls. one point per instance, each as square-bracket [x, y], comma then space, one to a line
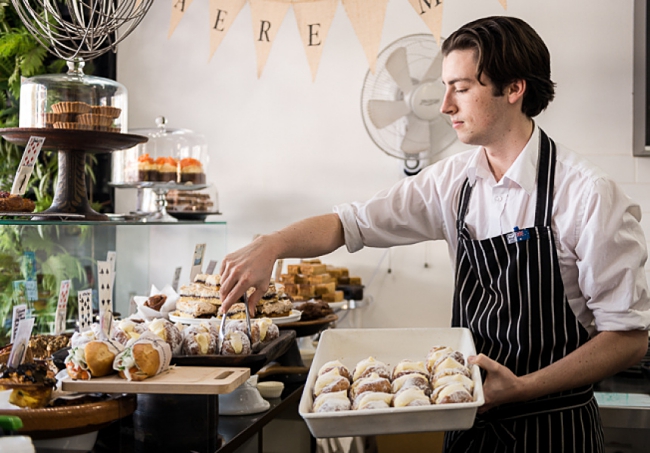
[169, 156]
[73, 101]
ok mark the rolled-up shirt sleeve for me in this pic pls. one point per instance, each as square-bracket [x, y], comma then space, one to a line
[611, 254]
[413, 210]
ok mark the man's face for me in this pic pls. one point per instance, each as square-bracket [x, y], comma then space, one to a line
[478, 116]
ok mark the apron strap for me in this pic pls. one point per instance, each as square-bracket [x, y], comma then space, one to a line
[546, 176]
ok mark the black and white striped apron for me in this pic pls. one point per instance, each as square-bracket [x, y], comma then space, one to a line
[509, 293]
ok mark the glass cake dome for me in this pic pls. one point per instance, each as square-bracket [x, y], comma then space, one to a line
[169, 156]
[73, 101]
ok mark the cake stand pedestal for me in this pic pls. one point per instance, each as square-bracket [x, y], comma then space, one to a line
[70, 196]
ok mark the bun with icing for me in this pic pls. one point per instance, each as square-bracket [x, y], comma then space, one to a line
[372, 383]
[330, 382]
[368, 366]
[372, 400]
[332, 402]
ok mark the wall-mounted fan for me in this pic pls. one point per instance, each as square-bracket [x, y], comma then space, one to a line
[400, 102]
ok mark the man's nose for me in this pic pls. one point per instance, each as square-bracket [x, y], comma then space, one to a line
[447, 106]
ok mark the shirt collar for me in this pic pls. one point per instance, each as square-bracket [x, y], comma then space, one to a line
[522, 172]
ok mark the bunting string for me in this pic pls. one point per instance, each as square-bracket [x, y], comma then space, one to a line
[314, 19]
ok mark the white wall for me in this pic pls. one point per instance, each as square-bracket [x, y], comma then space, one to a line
[284, 147]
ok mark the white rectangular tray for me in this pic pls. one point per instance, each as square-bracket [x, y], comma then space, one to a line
[389, 346]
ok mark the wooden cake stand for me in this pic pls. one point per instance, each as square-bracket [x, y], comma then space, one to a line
[70, 196]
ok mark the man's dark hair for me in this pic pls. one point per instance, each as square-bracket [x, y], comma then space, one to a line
[508, 49]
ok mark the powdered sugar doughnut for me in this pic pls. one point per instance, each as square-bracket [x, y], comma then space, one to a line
[199, 340]
[370, 365]
[455, 379]
[331, 382]
[407, 367]
[435, 353]
[411, 397]
[412, 380]
[332, 402]
[236, 343]
[371, 383]
[169, 332]
[343, 370]
[453, 393]
[372, 400]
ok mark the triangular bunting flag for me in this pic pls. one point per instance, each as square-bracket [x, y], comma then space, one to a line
[367, 17]
[178, 9]
[222, 15]
[267, 17]
[431, 14]
[504, 3]
[314, 19]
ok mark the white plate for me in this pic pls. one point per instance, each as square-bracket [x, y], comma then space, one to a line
[190, 321]
[390, 346]
[337, 305]
[293, 317]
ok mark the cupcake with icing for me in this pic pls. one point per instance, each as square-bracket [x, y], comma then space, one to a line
[191, 170]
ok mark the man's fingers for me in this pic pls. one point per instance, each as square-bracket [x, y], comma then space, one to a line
[484, 362]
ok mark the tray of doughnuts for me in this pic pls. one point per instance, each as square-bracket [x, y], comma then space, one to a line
[365, 382]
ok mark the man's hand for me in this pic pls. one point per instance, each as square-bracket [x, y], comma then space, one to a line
[248, 267]
[501, 385]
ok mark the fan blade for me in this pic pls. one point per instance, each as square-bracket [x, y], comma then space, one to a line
[383, 113]
[441, 135]
[398, 68]
[416, 138]
[435, 69]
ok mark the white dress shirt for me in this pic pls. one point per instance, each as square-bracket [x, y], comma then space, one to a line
[600, 243]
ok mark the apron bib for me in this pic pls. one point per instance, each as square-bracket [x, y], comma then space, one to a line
[509, 293]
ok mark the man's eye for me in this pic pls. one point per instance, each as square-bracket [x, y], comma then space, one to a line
[461, 90]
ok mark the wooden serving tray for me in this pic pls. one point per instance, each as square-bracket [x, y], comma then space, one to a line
[311, 327]
[187, 380]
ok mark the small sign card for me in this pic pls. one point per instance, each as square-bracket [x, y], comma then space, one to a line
[197, 261]
[177, 277]
[19, 313]
[111, 257]
[211, 266]
[19, 348]
[61, 306]
[85, 298]
[104, 275]
[26, 167]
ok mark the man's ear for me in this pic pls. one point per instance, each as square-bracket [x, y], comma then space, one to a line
[515, 91]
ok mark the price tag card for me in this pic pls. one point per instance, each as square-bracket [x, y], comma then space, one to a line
[20, 292]
[26, 167]
[197, 261]
[85, 298]
[211, 266]
[177, 277]
[19, 348]
[61, 306]
[31, 290]
[29, 266]
[105, 323]
[19, 313]
[279, 264]
[104, 275]
[110, 258]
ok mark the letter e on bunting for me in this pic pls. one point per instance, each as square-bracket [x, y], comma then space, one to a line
[314, 18]
[267, 17]
[431, 13]
[367, 17]
[222, 16]
[178, 10]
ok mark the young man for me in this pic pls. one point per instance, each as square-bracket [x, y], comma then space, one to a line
[548, 250]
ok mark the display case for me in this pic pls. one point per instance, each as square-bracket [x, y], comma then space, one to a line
[47, 252]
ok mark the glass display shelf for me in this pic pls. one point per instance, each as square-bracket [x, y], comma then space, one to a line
[49, 251]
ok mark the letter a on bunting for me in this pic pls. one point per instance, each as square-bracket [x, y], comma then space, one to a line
[178, 10]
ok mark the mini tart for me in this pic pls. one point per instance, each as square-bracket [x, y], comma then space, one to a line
[112, 112]
[71, 126]
[71, 107]
[95, 120]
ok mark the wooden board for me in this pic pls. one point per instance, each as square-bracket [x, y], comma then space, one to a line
[187, 380]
